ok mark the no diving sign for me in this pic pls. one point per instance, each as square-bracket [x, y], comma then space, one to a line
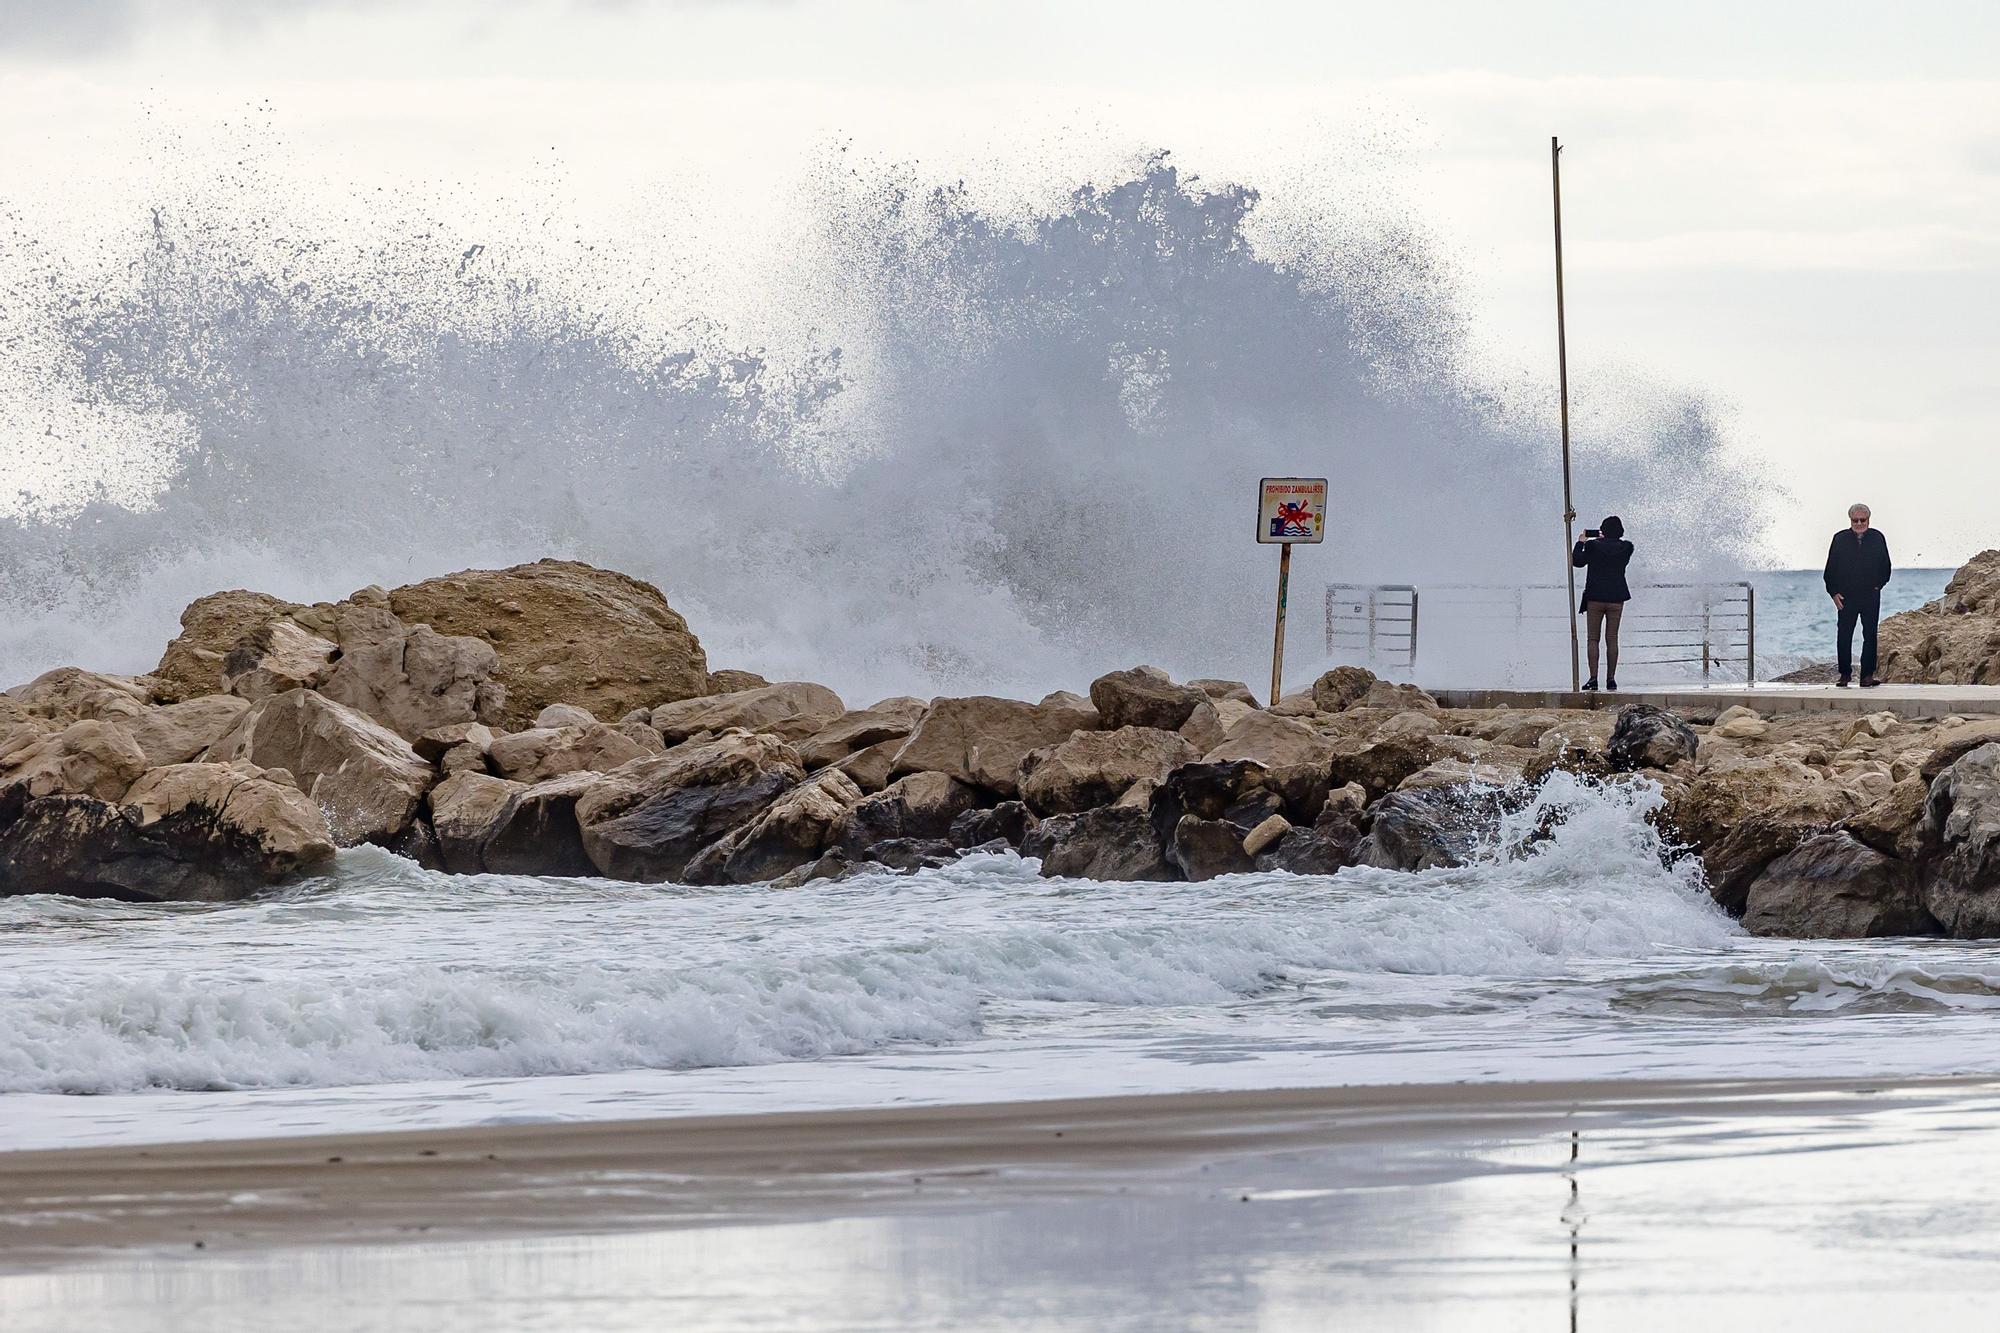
[1291, 509]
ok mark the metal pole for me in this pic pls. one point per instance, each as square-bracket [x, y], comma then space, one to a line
[1562, 377]
[1278, 638]
[1750, 635]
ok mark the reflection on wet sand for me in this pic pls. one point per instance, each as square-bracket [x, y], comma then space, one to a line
[1821, 1207]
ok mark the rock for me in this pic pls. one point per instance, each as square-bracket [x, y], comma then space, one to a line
[1298, 704]
[178, 732]
[1649, 737]
[1212, 789]
[906, 855]
[1111, 844]
[1954, 741]
[891, 719]
[1293, 756]
[1423, 830]
[1954, 640]
[563, 715]
[365, 777]
[544, 752]
[1743, 817]
[1309, 852]
[982, 740]
[797, 830]
[85, 758]
[1075, 703]
[873, 768]
[196, 833]
[1962, 829]
[922, 805]
[642, 735]
[1341, 688]
[1528, 728]
[71, 694]
[275, 657]
[17, 735]
[1403, 698]
[1892, 823]
[1235, 691]
[408, 677]
[1094, 768]
[1381, 766]
[1872, 727]
[438, 742]
[210, 627]
[1737, 724]
[647, 820]
[1203, 849]
[1143, 697]
[249, 817]
[1265, 834]
[1009, 822]
[731, 681]
[539, 832]
[565, 632]
[1496, 767]
[465, 808]
[791, 710]
[1832, 886]
[1204, 729]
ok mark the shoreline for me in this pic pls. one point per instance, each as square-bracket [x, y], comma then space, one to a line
[86, 1206]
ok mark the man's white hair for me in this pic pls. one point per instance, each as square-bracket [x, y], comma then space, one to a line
[1862, 510]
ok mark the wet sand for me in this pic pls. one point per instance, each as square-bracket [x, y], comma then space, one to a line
[67, 1207]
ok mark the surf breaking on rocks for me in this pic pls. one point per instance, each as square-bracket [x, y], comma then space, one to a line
[998, 449]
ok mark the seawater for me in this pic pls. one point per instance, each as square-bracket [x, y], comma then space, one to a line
[382, 995]
[1796, 619]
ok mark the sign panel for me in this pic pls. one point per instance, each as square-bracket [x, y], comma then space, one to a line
[1291, 509]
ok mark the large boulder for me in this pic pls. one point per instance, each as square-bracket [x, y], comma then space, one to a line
[70, 694]
[249, 819]
[790, 710]
[565, 632]
[197, 833]
[465, 810]
[546, 752]
[1143, 697]
[1649, 737]
[364, 776]
[647, 820]
[1111, 843]
[982, 740]
[211, 627]
[1833, 886]
[1296, 759]
[1954, 640]
[1745, 816]
[406, 676]
[920, 807]
[1962, 829]
[275, 657]
[1094, 768]
[798, 828]
[86, 758]
[178, 732]
[1428, 828]
[538, 832]
[1342, 688]
[890, 720]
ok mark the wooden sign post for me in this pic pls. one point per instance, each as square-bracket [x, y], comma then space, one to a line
[1290, 510]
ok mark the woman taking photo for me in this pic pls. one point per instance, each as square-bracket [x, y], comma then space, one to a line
[1604, 551]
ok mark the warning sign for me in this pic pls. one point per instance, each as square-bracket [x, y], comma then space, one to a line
[1291, 509]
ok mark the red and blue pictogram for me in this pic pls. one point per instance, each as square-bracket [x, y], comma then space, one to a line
[1294, 519]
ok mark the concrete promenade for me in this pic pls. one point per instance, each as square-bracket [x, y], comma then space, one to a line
[1903, 700]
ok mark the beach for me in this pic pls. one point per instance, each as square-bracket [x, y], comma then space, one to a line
[1635, 1204]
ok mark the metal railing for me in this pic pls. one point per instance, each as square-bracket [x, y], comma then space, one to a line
[1710, 626]
[1376, 622]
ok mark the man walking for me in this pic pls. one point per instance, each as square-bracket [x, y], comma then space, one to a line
[1857, 565]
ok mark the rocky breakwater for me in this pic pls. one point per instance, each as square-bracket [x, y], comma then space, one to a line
[1954, 640]
[564, 721]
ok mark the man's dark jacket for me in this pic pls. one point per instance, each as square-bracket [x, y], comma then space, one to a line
[1857, 566]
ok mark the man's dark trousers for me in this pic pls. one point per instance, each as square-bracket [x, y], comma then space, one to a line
[1865, 608]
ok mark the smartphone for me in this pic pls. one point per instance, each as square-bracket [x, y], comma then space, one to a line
[1589, 533]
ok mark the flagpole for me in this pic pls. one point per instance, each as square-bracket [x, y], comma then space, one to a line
[1562, 377]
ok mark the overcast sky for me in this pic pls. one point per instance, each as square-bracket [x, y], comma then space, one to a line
[1792, 207]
